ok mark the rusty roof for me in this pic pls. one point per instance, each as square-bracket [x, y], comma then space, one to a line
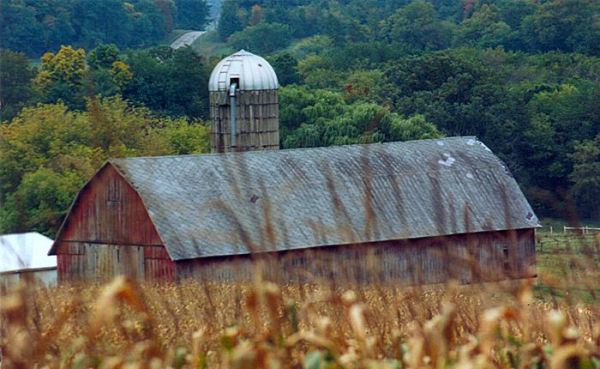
[237, 203]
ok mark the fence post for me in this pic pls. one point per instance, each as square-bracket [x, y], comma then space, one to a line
[551, 230]
[564, 229]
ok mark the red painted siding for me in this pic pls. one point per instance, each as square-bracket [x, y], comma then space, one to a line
[485, 256]
[109, 216]
[110, 211]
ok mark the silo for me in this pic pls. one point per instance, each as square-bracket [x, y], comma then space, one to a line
[244, 108]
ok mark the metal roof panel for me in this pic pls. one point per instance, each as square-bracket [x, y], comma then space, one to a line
[236, 203]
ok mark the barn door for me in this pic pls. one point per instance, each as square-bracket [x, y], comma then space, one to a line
[130, 261]
[104, 262]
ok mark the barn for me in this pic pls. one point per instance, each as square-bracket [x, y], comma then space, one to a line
[23, 257]
[403, 212]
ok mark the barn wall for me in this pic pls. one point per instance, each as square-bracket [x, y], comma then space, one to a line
[40, 276]
[110, 211]
[108, 232]
[477, 257]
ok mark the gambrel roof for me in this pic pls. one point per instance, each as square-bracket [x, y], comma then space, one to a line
[237, 203]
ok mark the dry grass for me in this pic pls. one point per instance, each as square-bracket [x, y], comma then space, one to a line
[266, 325]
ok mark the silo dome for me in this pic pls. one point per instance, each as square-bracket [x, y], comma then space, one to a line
[249, 71]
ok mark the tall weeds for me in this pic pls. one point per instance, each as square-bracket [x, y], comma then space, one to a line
[127, 325]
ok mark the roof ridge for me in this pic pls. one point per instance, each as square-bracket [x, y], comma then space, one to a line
[295, 149]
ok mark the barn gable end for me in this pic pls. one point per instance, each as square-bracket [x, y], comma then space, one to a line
[108, 232]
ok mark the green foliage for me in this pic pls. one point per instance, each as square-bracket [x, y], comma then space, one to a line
[61, 77]
[485, 28]
[585, 177]
[417, 26]
[171, 82]
[286, 68]
[262, 38]
[191, 14]
[567, 25]
[48, 152]
[229, 21]
[323, 118]
[16, 88]
[37, 26]
[103, 56]
[187, 138]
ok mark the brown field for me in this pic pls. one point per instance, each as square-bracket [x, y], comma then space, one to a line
[550, 322]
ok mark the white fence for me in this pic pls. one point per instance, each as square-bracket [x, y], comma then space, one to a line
[581, 230]
[578, 230]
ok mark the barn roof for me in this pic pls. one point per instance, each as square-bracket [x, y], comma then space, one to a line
[20, 251]
[237, 203]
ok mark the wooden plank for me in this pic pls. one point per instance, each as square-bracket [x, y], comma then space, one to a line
[109, 210]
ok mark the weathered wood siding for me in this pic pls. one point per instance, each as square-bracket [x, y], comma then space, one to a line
[485, 256]
[257, 120]
[109, 233]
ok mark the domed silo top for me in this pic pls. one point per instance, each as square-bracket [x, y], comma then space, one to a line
[249, 71]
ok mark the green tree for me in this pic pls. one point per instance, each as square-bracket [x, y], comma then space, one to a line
[585, 177]
[262, 38]
[170, 82]
[417, 26]
[16, 88]
[484, 28]
[103, 56]
[229, 20]
[286, 68]
[191, 14]
[47, 152]
[62, 76]
[321, 118]
[568, 25]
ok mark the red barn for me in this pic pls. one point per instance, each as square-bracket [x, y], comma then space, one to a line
[420, 211]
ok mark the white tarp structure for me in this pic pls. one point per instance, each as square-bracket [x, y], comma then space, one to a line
[26, 253]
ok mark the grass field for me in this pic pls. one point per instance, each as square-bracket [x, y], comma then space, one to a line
[550, 322]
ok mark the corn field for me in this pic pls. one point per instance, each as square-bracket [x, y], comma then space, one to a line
[263, 324]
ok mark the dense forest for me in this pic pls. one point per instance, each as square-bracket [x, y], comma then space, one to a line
[522, 75]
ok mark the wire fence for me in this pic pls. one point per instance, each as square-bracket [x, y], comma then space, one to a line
[579, 241]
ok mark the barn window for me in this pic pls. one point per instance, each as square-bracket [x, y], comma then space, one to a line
[506, 255]
[113, 191]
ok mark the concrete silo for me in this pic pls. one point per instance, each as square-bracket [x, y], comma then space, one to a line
[244, 108]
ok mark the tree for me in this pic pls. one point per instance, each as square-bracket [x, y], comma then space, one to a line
[585, 177]
[61, 76]
[568, 25]
[47, 152]
[191, 14]
[229, 20]
[559, 119]
[262, 38]
[417, 26]
[103, 56]
[321, 118]
[16, 88]
[484, 29]
[286, 68]
[167, 81]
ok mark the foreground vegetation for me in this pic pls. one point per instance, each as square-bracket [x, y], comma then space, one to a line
[259, 324]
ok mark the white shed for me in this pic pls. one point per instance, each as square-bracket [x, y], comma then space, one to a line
[25, 256]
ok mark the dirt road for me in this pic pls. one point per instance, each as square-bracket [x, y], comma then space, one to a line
[186, 39]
